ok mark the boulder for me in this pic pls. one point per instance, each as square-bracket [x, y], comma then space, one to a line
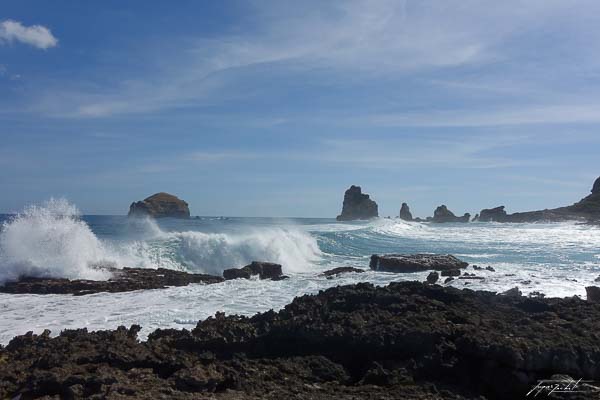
[341, 270]
[596, 187]
[593, 294]
[415, 262]
[160, 205]
[442, 215]
[264, 270]
[357, 205]
[405, 213]
[433, 277]
[514, 292]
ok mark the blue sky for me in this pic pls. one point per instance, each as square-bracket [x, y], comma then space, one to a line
[273, 108]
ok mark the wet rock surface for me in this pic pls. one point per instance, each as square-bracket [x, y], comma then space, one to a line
[341, 270]
[357, 205]
[403, 341]
[123, 280]
[416, 262]
[264, 270]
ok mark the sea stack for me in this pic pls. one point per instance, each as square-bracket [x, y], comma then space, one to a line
[357, 205]
[405, 213]
[160, 205]
[442, 215]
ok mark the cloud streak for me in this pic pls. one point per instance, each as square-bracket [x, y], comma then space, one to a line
[35, 35]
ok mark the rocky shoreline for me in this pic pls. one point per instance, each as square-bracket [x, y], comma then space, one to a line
[403, 341]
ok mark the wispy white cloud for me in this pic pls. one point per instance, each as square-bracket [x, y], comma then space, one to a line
[35, 35]
[356, 40]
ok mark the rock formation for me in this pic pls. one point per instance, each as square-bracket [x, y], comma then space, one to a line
[442, 215]
[406, 340]
[405, 213]
[160, 205]
[415, 262]
[341, 270]
[264, 270]
[586, 209]
[357, 206]
[123, 280]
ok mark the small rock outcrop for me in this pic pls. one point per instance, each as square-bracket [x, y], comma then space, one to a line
[404, 263]
[497, 214]
[341, 270]
[160, 205]
[264, 270]
[433, 277]
[593, 294]
[405, 213]
[443, 215]
[357, 205]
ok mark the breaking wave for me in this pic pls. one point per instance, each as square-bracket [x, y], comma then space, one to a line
[52, 240]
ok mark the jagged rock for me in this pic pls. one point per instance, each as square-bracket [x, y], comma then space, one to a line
[403, 341]
[442, 215]
[415, 262]
[497, 214]
[432, 277]
[357, 205]
[451, 272]
[341, 270]
[449, 279]
[587, 209]
[514, 292]
[264, 270]
[593, 294]
[160, 205]
[405, 213]
[122, 280]
[490, 268]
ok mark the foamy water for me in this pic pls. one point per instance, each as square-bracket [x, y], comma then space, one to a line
[53, 240]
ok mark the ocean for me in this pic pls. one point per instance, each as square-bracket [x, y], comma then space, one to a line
[557, 259]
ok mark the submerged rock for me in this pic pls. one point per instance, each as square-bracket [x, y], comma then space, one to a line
[264, 270]
[357, 205]
[442, 215]
[403, 341]
[405, 213]
[160, 205]
[415, 262]
[123, 280]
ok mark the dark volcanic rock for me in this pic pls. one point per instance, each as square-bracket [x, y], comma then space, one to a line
[357, 205]
[415, 262]
[160, 205]
[403, 341]
[405, 213]
[123, 280]
[442, 215]
[451, 272]
[588, 209]
[593, 294]
[497, 214]
[341, 270]
[433, 277]
[264, 270]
